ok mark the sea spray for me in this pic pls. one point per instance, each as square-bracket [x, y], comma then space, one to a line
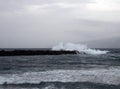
[78, 47]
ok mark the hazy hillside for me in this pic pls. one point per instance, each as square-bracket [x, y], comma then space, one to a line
[105, 43]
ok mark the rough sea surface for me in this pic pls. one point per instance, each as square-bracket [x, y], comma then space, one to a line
[79, 71]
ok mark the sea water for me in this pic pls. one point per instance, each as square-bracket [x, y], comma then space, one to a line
[77, 71]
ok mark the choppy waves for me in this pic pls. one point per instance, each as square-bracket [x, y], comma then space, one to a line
[103, 76]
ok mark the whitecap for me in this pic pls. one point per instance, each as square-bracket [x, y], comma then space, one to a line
[78, 47]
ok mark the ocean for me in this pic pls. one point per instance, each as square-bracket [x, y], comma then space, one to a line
[70, 71]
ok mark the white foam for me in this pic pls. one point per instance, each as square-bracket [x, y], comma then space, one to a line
[51, 87]
[105, 76]
[78, 47]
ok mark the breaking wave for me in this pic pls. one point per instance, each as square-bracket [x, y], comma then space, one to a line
[78, 47]
[103, 76]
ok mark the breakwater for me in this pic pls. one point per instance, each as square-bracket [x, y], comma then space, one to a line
[34, 52]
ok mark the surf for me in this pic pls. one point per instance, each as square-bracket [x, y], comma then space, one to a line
[103, 76]
[81, 48]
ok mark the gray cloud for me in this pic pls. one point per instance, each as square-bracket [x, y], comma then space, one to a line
[43, 23]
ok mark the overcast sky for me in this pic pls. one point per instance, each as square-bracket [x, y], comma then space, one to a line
[43, 23]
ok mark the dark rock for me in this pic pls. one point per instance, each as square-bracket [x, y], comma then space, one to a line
[34, 52]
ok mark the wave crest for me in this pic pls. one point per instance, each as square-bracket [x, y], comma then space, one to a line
[78, 47]
[104, 76]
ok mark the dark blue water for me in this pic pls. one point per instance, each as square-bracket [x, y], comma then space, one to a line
[80, 71]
